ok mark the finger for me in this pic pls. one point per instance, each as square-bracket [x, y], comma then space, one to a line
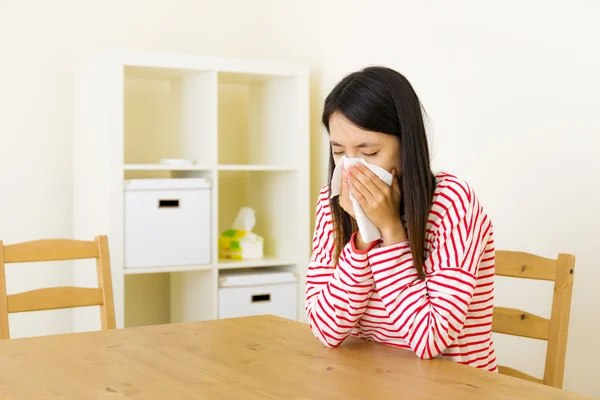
[360, 180]
[371, 175]
[395, 183]
[345, 192]
[345, 187]
[362, 201]
[361, 187]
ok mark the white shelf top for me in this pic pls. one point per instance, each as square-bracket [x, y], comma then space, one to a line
[160, 270]
[261, 262]
[165, 167]
[159, 64]
[255, 277]
[222, 264]
[221, 167]
[255, 167]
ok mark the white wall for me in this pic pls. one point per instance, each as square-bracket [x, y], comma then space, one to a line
[40, 43]
[528, 146]
[511, 90]
[509, 87]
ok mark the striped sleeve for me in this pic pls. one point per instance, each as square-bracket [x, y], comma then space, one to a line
[336, 296]
[429, 314]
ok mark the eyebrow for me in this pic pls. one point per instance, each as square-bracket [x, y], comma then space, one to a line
[360, 146]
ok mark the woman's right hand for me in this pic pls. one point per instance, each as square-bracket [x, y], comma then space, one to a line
[345, 201]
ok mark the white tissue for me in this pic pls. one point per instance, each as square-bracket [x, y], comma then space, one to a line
[368, 230]
[245, 219]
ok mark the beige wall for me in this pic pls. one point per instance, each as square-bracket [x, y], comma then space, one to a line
[40, 43]
[509, 89]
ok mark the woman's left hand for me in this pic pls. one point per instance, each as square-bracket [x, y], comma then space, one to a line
[380, 202]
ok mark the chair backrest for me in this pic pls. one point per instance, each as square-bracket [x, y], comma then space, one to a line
[519, 323]
[58, 297]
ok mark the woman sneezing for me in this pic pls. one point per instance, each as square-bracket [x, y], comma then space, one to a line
[401, 256]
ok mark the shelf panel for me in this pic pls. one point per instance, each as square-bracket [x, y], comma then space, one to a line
[261, 262]
[168, 65]
[163, 167]
[222, 264]
[160, 270]
[256, 167]
[222, 167]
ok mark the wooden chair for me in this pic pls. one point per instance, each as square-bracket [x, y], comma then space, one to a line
[519, 323]
[59, 297]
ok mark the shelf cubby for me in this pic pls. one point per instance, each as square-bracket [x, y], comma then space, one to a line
[257, 120]
[169, 115]
[271, 195]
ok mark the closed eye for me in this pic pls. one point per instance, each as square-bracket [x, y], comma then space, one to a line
[370, 155]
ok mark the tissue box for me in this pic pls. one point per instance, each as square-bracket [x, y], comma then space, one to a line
[238, 244]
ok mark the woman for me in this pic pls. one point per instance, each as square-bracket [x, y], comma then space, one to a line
[428, 284]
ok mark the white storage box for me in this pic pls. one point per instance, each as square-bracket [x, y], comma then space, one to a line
[247, 293]
[167, 222]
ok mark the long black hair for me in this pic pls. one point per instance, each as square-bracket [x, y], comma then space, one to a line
[380, 99]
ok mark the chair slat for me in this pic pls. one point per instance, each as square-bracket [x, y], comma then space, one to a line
[107, 310]
[559, 321]
[519, 323]
[518, 374]
[50, 250]
[4, 328]
[524, 265]
[54, 298]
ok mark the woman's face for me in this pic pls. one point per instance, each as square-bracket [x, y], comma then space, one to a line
[353, 142]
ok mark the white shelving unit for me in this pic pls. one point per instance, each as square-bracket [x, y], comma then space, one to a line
[245, 123]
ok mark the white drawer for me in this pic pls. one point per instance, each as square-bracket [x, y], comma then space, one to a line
[167, 226]
[276, 299]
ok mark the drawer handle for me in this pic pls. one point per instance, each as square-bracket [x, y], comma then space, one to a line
[168, 203]
[258, 298]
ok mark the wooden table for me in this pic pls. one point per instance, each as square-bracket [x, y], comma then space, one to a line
[246, 358]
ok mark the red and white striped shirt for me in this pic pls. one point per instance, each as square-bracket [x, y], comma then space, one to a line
[376, 294]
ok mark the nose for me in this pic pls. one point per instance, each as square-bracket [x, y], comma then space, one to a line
[351, 154]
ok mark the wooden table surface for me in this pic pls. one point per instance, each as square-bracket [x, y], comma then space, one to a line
[246, 358]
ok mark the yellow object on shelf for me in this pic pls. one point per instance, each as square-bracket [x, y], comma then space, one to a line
[240, 243]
